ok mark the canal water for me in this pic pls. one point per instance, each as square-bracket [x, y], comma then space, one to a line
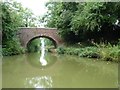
[61, 71]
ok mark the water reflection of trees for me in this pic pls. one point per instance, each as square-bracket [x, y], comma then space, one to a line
[39, 82]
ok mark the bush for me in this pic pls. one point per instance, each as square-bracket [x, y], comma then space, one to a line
[90, 52]
[82, 52]
[105, 52]
[12, 48]
[110, 53]
[60, 50]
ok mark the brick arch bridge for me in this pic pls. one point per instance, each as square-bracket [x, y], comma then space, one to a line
[28, 34]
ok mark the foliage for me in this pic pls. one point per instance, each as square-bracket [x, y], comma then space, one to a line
[90, 52]
[13, 48]
[29, 19]
[60, 50]
[34, 45]
[75, 21]
[104, 52]
[48, 42]
[82, 52]
[14, 15]
[10, 23]
[109, 52]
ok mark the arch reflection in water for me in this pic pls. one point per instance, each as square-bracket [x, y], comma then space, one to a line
[39, 82]
[42, 58]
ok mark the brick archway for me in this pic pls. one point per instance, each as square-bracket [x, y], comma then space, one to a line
[53, 41]
[28, 34]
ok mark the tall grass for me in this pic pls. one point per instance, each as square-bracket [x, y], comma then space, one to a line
[109, 52]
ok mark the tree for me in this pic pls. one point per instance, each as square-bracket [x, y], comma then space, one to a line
[10, 23]
[76, 21]
[29, 19]
[59, 16]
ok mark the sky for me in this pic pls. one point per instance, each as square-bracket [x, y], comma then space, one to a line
[37, 6]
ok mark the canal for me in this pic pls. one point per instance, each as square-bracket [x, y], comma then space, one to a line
[61, 71]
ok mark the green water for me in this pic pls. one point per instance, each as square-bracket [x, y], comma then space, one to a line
[62, 71]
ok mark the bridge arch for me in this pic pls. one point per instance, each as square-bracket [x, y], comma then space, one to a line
[27, 34]
[48, 37]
